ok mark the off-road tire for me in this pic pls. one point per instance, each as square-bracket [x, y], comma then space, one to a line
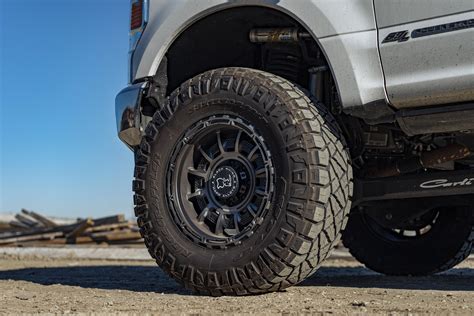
[448, 243]
[313, 185]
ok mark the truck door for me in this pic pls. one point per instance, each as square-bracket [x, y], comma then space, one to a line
[427, 50]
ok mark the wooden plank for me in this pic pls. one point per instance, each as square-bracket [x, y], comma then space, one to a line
[60, 241]
[128, 243]
[18, 225]
[28, 221]
[62, 228]
[115, 236]
[84, 240]
[40, 218]
[110, 227]
[79, 230]
[115, 219]
[34, 231]
[47, 236]
[5, 226]
[47, 242]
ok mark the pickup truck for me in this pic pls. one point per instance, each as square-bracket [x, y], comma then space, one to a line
[265, 131]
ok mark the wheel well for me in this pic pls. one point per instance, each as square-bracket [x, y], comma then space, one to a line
[222, 40]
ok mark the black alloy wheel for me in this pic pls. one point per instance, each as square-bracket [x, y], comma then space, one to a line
[220, 181]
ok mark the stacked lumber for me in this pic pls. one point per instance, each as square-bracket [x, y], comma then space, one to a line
[29, 228]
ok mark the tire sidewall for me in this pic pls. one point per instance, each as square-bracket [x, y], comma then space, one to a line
[189, 113]
[423, 255]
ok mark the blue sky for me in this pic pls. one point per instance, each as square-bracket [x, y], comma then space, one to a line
[62, 63]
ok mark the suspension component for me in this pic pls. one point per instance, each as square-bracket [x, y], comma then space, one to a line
[427, 159]
[277, 35]
[316, 81]
[283, 60]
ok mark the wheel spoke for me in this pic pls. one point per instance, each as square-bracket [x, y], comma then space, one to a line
[219, 142]
[252, 153]
[236, 229]
[251, 210]
[220, 224]
[204, 154]
[237, 141]
[260, 172]
[202, 216]
[197, 193]
[197, 173]
[261, 192]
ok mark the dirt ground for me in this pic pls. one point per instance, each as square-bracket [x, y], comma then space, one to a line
[340, 287]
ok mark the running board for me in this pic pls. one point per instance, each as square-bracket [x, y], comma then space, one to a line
[441, 119]
[432, 184]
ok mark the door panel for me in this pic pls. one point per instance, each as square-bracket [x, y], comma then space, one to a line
[427, 49]
[395, 12]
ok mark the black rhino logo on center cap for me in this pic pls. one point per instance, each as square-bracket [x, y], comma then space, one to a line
[225, 182]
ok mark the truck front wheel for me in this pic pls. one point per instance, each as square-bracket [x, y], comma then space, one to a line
[242, 184]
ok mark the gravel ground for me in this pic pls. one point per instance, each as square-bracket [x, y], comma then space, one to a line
[32, 285]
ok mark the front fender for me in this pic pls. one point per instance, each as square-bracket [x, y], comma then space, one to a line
[344, 29]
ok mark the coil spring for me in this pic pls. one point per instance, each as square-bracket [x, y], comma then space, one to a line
[284, 62]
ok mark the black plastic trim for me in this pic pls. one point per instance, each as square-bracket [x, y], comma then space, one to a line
[430, 184]
[375, 112]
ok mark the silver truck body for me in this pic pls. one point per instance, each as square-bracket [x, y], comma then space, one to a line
[424, 71]
[367, 69]
[345, 29]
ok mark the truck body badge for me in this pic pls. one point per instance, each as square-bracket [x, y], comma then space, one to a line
[401, 36]
[445, 183]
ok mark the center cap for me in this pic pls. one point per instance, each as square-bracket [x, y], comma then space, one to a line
[224, 182]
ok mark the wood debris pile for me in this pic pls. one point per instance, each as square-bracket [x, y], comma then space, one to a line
[33, 229]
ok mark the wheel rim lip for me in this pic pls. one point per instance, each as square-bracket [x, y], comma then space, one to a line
[177, 205]
[393, 236]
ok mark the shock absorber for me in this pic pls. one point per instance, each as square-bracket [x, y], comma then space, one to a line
[277, 35]
[316, 81]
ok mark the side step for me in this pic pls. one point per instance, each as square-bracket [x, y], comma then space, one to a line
[432, 184]
[441, 119]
